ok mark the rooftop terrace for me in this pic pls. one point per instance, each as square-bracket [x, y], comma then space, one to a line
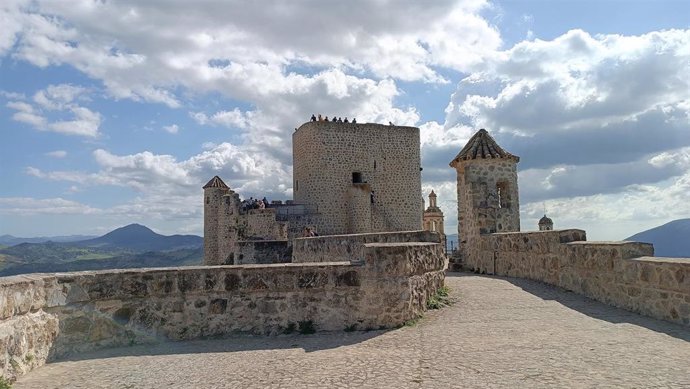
[501, 332]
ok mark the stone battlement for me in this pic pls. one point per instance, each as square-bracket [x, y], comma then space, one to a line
[45, 316]
[622, 274]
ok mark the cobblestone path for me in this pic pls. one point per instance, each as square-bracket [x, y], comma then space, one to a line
[501, 332]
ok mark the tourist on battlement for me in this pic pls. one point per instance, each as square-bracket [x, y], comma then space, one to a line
[320, 118]
[354, 120]
[345, 120]
[325, 119]
[313, 118]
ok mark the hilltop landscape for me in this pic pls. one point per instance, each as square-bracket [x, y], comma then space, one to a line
[130, 246]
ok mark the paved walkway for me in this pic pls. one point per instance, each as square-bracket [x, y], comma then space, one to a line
[501, 333]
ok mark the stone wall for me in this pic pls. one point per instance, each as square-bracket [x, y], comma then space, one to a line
[261, 223]
[263, 252]
[622, 274]
[44, 316]
[351, 247]
[387, 158]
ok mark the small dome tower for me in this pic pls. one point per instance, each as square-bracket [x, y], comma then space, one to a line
[545, 224]
[433, 218]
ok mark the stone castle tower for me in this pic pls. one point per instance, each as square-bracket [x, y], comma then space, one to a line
[487, 190]
[220, 205]
[358, 178]
[433, 218]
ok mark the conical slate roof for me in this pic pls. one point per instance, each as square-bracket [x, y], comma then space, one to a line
[216, 182]
[482, 146]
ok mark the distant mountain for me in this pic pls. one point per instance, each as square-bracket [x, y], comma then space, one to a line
[141, 238]
[130, 246]
[9, 240]
[670, 240]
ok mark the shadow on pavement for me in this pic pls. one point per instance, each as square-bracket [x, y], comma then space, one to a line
[308, 343]
[591, 307]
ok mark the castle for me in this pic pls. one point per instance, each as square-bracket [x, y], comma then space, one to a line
[348, 178]
[359, 180]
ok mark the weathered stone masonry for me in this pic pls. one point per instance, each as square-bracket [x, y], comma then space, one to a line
[337, 166]
[44, 316]
[622, 274]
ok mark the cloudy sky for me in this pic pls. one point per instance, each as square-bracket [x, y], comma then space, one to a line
[113, 112]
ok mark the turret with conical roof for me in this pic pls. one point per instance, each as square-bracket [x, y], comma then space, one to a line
[216, 182]
[487, 190]
[219, 203]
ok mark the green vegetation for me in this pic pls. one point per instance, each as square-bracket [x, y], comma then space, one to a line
[89, 256]
[61, 257]
[290, 328]
[440, 299]
[28, 358]
[412, 322]
[5, 383]
[306, 327]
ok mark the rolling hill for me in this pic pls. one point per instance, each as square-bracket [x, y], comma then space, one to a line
[670, 240]
[136, 237]
[9, 240]
[126, 247]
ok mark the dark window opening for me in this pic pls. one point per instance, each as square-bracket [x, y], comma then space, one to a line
[374, 165]
[208, 199]
[357, 177]
[296, 185]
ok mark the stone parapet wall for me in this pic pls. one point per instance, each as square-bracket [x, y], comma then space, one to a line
[261, 223]
[263, 252]
[45, 316]
[351, 247]
[622, 274]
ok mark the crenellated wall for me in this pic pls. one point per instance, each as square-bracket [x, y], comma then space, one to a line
[622, 274]
[44, 316]
[351, 247]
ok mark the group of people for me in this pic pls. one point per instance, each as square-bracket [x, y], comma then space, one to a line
[308, 232]
[253, 203]
[320, 118]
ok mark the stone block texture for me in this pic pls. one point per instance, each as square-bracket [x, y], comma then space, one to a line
[351, 247]
[45, 316]
[622, 274]
[337, 166]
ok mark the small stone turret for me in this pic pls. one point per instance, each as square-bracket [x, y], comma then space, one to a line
[221, 207]
[487, 190]
[545, 224]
